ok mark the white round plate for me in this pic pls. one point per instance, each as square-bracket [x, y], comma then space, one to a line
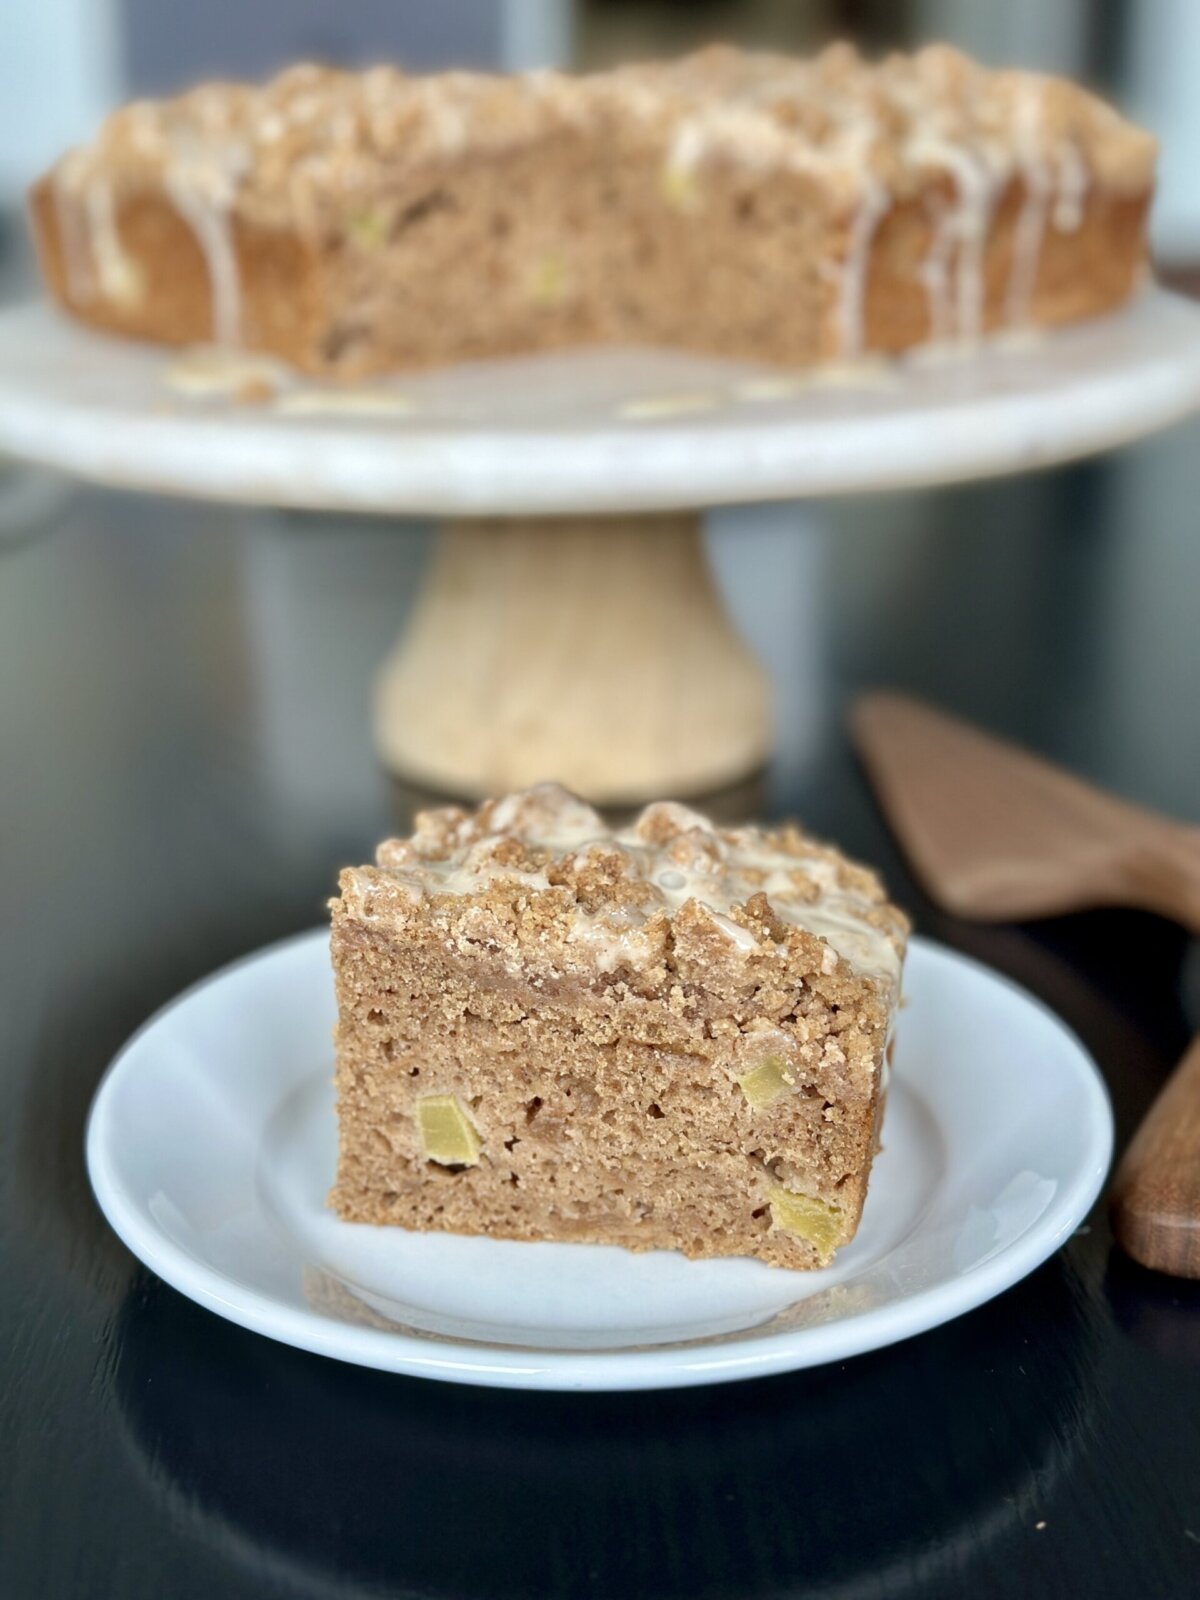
[598, 430]
[211, 1147]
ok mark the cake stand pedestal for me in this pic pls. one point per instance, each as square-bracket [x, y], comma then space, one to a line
[569, 625]
[596, 647]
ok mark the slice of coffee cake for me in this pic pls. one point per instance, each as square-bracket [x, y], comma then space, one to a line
[668, 1037]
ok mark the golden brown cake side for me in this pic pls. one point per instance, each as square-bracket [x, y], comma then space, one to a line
[673, 1037]
[748, 205]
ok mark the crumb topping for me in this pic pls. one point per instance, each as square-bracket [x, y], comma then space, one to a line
[742, 892]
[315, 133]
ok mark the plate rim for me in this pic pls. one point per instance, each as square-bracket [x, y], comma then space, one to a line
[673, 1366]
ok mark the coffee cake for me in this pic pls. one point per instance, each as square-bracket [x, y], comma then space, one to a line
[671, 1036]
[747, 205]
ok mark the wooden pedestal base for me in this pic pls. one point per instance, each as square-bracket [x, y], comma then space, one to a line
[594, 650]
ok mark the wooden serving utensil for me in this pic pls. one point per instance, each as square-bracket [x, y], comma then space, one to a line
[995, 833]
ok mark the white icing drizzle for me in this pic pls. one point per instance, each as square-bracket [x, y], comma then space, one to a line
[73, 232]
[739, 133]
[447, 116]
[856, 268]
[934, 271]
[200, 178]
[558, 819]
[474, 872]
[116, 274]
[1030, 229]
[1074, 180]
[95, 261]
[202, 184]
[742, 937]
[978, 177]
[689, 145]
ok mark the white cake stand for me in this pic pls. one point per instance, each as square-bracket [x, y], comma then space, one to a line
[569, 625]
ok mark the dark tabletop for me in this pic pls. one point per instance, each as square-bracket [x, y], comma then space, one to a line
[184, 762]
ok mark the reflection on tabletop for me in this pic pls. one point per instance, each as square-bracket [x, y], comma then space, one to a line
[416, 1485]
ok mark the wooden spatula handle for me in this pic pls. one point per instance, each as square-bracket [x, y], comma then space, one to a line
[1156, 1195]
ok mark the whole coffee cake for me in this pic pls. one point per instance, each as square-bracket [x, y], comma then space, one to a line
[674, 1036]
[746, 205]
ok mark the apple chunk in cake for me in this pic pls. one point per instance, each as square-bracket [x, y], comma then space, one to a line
[673, 1036]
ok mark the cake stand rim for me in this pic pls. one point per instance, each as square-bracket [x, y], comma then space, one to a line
[970, 421]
